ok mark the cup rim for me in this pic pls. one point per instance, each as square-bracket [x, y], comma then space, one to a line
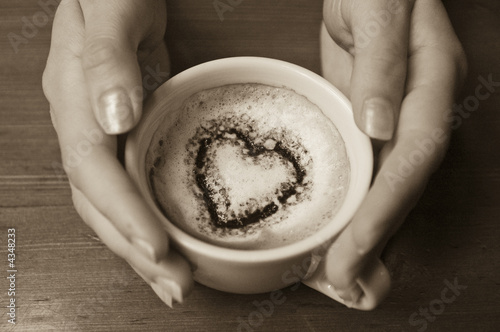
[360, 176]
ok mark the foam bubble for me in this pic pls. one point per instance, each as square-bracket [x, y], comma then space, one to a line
[248, 166]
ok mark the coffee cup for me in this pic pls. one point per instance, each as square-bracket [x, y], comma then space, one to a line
[261, 270]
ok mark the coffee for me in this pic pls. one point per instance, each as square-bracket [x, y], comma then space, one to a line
[248, 166]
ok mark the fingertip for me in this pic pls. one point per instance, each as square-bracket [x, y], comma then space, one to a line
[377, 89]
[148, 235]
[115, 111]
[114, 82]
[179, 280]
[350, 296]
[380, 67]
[375, 284]
[164, 294]
[147, 249]
[170, 278]
[377, 118]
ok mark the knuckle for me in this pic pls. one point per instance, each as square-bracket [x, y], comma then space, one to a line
[392, 57]
[424, 142]
[70, 170]
[73, 166]
[387, 63]
[80, 205]
[368, 236]
[451, 48]
[98, 52]
[399, 6]
[47, 82]
[452, 51]
[328, 11]
[335, 24]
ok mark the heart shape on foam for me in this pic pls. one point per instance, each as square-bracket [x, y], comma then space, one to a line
[244, 182]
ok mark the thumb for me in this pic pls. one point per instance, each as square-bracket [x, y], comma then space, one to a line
[380, 31]
[113, 31]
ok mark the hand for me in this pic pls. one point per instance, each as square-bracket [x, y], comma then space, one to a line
[93, 82]
[401, 65]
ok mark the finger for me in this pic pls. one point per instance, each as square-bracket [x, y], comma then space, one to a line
[336, 63]
[353, 276]
[113, 31]
[395, 191]
[88, 154]
[89, 160]
[380, 31]
[170, 278]
[436, 70]
[336, 14]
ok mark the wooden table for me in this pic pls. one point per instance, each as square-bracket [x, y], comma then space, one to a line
[67, 280]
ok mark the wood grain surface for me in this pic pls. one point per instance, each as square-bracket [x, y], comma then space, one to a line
[67, 280]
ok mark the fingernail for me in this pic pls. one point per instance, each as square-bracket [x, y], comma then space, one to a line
[351, 296]
[145, 248]
[170, 286]
[164, 295]
[115, 111]
[377, 117]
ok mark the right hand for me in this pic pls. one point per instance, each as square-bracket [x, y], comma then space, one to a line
[101, 53]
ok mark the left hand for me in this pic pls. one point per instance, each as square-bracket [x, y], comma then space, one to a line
[401, 65]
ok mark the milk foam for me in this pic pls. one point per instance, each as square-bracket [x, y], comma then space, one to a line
[248, 166]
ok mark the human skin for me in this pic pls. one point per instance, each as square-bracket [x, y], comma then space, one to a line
[100, 50]
[399, 62]
[99, 53]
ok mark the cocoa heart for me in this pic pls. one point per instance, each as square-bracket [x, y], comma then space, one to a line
[230, 159]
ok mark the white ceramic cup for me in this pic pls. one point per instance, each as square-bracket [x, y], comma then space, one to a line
[258, 271]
